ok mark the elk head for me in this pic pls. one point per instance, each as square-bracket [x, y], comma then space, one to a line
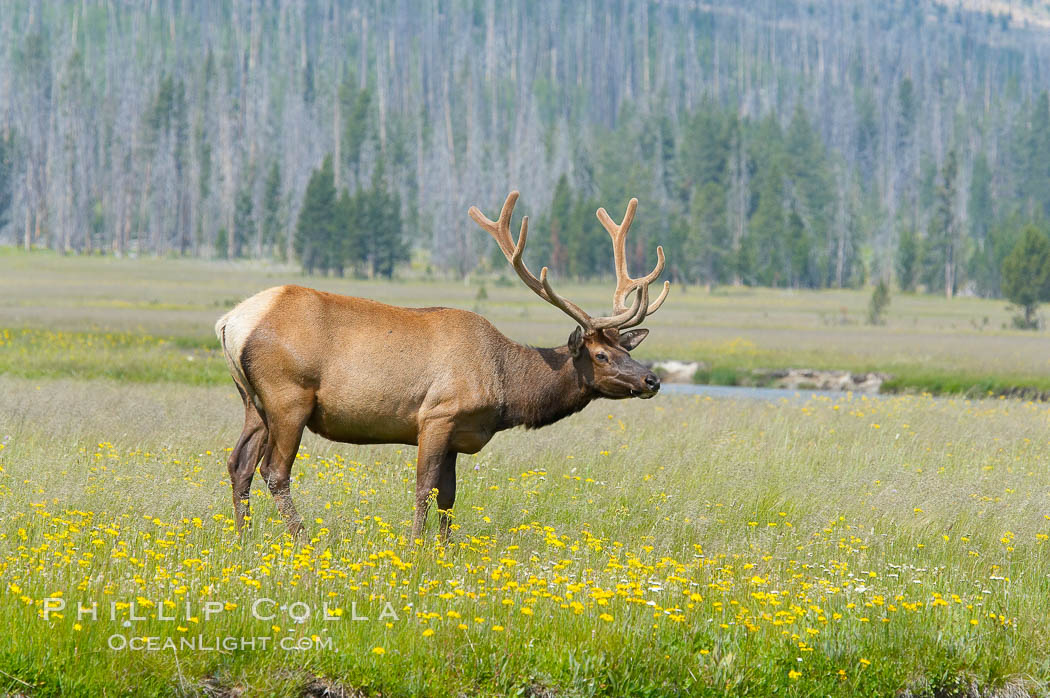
[600, 346]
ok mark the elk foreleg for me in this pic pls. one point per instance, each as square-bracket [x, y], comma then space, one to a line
[446, 496]
[286, 432]
[431, 459]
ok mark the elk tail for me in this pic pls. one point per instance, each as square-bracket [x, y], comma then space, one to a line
[233, 363]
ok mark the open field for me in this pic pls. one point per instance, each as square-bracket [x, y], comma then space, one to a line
[143, 319]
[676, 546]
[679, 545]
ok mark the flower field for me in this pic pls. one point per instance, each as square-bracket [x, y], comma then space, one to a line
[676, 546]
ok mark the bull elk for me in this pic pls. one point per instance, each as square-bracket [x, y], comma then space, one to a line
[362, 372]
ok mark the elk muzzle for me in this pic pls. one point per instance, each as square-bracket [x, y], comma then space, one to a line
[651, 383]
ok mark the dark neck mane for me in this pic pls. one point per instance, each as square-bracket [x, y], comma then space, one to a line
[540, 386]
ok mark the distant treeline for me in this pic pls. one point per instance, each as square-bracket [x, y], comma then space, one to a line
[789, 143]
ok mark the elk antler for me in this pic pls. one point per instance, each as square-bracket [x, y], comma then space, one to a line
[622, 316]
[624, 283]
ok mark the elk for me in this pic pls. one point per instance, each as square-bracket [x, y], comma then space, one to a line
[358, 371]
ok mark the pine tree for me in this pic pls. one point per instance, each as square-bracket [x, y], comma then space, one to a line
[350, 251]
[708, 247]
[867, 136]
[222, 244]
[355, 105]
[799, 247]
[983, 267]
[385, 243]
[942, 244]
[1035, 183]
[807, 169]
[880, 300]
[907, 105]
[243, 221]
[590, 252]
[909, 259]
[272, 223]
[1026, 273]
[202, 150]
[316, 229]
[705, 158]
[563, 237]
[767, 238]
[7, 174]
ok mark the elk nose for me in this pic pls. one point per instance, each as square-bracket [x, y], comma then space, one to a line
[652, 381]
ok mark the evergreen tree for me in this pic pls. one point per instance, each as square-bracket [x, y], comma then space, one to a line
[1026, 273]
[562, 236]
[222, 244]
[809, 171]
[381, 211]
[203, 152]
[867, 137]
[7, 174]
[880, 300]
[317, 227]
[704, 167]
[355, 104]
[984, 269]
[1002, 238]
[907, 110]
[351, 250]
[909, 259]
[243, 221]
[591, 243]
[942, 243]
[1035, 182]
[767, 233]
[800, 271]
[708, 248]
[272, 224]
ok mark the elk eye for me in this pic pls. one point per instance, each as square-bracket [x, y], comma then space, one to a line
[601, 356]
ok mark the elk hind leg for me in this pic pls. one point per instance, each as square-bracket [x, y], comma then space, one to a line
[242, 461]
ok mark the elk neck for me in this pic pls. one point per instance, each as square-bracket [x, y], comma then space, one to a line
[540, 386]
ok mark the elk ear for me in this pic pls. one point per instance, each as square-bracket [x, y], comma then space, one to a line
[576, 342]
[632, 338]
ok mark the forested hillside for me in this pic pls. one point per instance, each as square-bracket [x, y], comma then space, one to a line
[777, 142]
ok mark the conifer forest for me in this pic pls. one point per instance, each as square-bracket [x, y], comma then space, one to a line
[787, 143]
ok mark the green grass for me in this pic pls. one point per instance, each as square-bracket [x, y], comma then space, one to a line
[965, 345]
[685, 546]
[675, 546]
[121, 356]
[727, 366]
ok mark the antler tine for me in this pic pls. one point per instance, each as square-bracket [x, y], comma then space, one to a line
[628, 318]
[624, 283]
[499, 230]
[514, 251]
[659, 299]
[618, 233]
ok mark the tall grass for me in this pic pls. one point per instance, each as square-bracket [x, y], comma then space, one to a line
[679, 545]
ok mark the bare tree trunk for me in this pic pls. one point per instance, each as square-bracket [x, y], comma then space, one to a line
[28, 238]
[337, 132]
[381, 93]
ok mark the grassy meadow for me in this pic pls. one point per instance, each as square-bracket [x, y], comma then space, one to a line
[152, 319]
[679, 546]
